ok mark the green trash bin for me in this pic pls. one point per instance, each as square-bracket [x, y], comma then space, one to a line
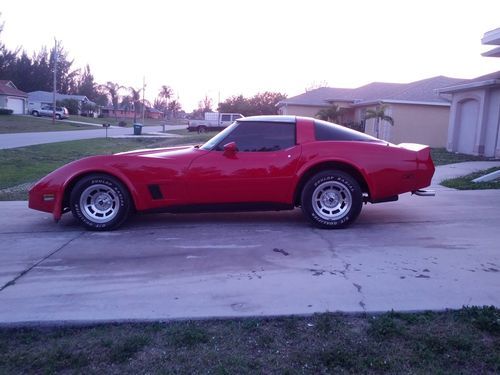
[137, 129]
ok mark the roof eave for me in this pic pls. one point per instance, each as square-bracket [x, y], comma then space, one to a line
[391, 101]
[469, 86]
[495, 52]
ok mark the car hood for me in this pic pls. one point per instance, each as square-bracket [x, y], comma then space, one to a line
[164, 153]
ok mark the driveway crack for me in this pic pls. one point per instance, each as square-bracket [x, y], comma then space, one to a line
[24, 272]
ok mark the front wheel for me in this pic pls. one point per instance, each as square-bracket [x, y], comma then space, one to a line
[332, 199]
[100, 202]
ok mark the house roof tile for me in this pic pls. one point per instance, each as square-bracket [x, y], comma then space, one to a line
[423, 91]
[8, 88]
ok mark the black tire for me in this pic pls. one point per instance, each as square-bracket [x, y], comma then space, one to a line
[58, 116]
[332, 199]
[100, 202]
[35, 113]
[202, 129]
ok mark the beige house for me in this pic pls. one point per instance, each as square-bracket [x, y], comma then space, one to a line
[474, 126]
[420, 114]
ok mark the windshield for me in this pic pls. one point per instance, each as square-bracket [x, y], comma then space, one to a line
[214, 141]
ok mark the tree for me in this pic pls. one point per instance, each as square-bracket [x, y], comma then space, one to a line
[260, 104]
[333, 113]
[204, 105]
[174, 107]
[379, 115]
[113, 91]
[236, 104]
[135, 97]
[66, 78]
[86, 85]
[265, 103]
[165, 94]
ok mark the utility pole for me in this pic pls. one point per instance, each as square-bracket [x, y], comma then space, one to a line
[143, 103]
[55, 84]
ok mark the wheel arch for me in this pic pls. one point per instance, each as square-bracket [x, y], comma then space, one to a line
[329, 165]
[70, 184]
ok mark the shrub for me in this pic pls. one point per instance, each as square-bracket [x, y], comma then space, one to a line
[5, 111]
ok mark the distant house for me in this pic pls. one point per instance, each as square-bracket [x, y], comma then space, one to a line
[12, 98]
[126, 111]
[38, 98]
[420, 114]
[474, 126]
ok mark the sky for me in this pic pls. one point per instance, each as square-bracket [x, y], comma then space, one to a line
[221, 48]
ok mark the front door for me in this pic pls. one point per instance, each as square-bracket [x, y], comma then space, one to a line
[260, 170]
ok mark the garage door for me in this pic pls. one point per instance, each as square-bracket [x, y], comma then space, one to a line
[467, 126]
[17, 105]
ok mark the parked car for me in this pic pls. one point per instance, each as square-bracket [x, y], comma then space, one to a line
[213, 121]
[47, 111]
[257, 163]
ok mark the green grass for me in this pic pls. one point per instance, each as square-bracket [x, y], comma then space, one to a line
[465, 182]
[24, 124]
[465, 341]
[441, 157]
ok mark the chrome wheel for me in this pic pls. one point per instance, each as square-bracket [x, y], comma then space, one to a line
[99, 203]
[331, 200]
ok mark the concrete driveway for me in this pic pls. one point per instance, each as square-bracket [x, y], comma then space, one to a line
[415, 254]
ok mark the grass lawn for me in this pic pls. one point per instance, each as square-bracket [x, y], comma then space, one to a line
[441, 157]
[465, 182]
[466, 341]
[24, 124]
[28, 164]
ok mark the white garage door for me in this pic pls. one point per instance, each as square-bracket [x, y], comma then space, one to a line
[16, 105]
[467, 126]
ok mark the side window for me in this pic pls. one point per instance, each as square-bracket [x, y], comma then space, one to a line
[236, 117]
[261, 136]
[225, 118]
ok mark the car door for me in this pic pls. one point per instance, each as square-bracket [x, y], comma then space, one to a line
[259, 168]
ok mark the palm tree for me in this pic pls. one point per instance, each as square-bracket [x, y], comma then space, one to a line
[166, 93]
[332, 114]
[112, 90]
[379, 115]
[175, 107]
[135, 96]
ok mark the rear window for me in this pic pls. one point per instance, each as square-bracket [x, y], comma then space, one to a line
[326, 131]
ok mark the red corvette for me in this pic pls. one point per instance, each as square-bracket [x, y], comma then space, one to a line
[257, 163]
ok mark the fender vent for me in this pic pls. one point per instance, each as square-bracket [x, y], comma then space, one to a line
[155, 191]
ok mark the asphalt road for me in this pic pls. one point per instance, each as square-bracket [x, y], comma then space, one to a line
[27, 139]
[415, 254]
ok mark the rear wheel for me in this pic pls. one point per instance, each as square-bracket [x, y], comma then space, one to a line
[100, 202]
[332, 199]
[35, 113]
[58, 116]
[202, 129]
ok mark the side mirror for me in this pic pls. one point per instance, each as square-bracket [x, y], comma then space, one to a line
[230, 148]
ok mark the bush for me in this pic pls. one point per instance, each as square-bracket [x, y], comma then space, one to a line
[72, 105]
[5, 111]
